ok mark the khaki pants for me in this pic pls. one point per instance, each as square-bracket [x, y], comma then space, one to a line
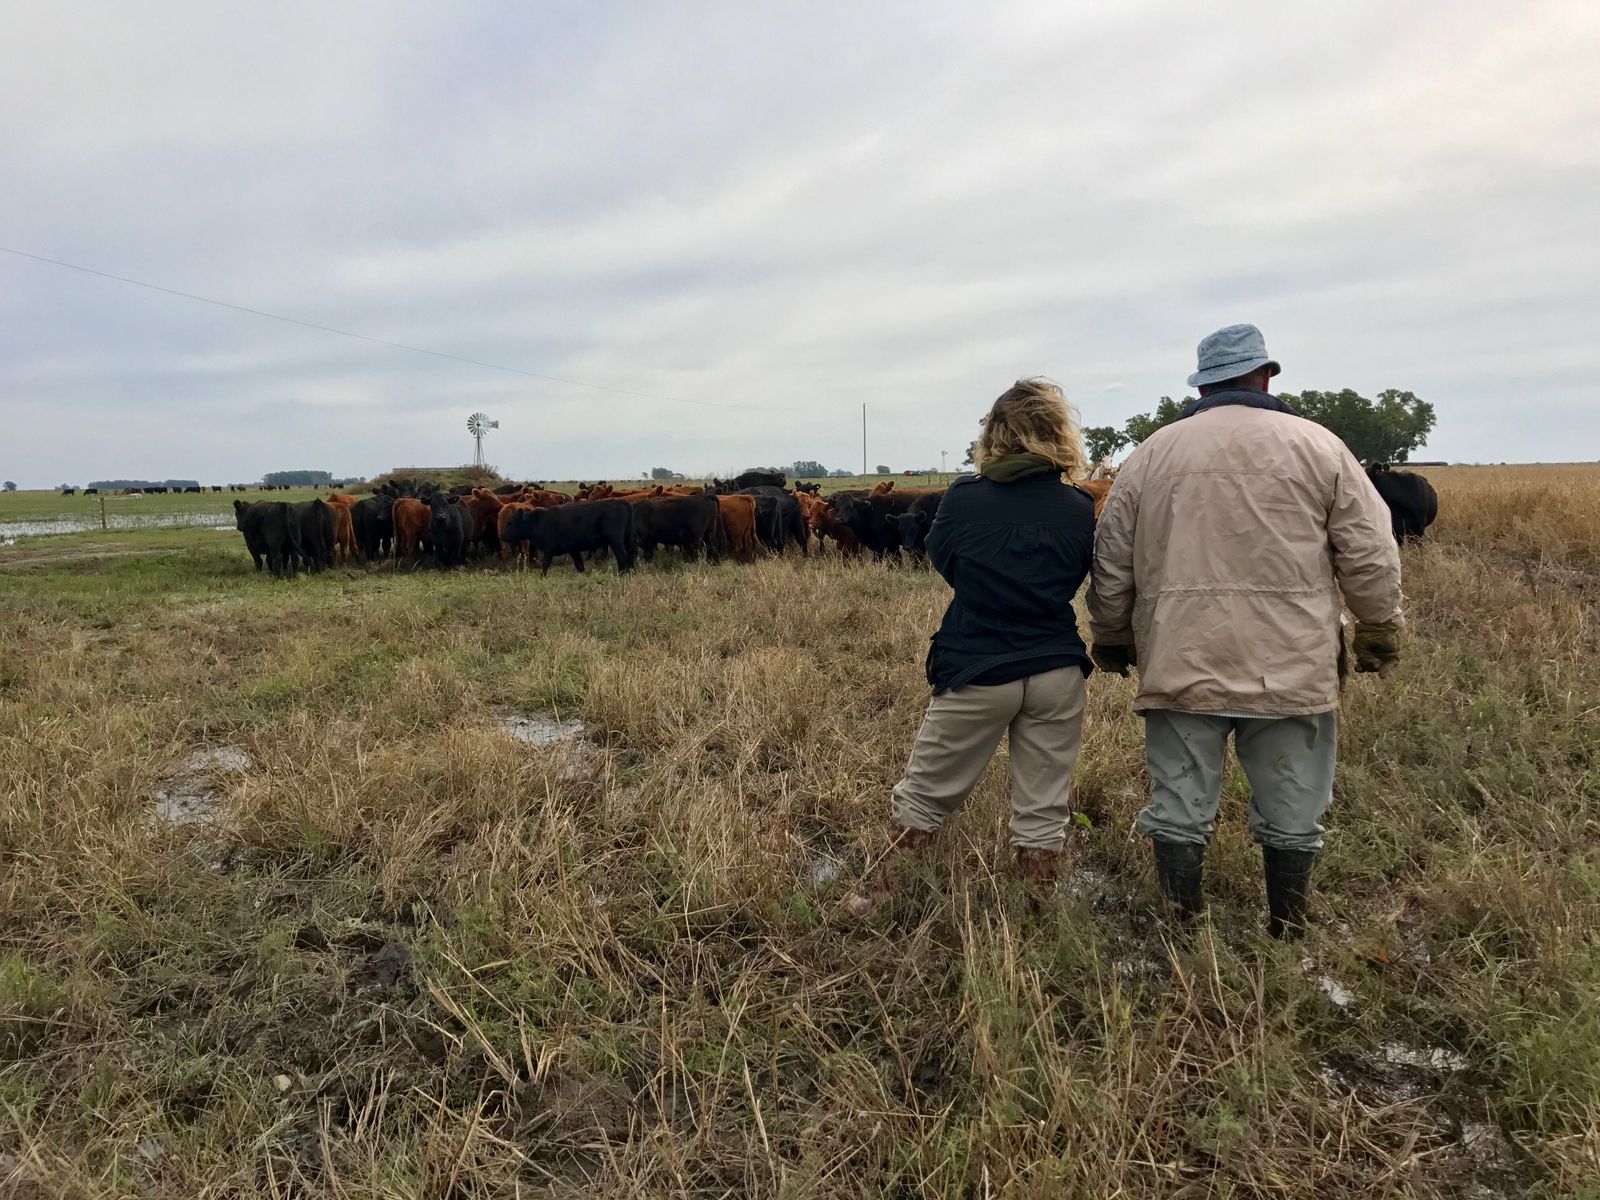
[1044, 714]
[1289, 762]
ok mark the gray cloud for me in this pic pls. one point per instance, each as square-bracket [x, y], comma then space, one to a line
[796, 214]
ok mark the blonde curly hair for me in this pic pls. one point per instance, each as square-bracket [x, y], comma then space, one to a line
[1033, 416]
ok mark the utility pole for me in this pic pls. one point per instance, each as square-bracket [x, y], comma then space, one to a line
[863, 437]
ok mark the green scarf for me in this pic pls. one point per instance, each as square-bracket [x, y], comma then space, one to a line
[1016, 466]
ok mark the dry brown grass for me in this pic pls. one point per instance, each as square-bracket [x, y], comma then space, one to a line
[1550, 513]
[424, 959]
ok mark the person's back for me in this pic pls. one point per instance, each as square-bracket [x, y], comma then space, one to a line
[1220, 560]
[1245, 523]
[1010, 551]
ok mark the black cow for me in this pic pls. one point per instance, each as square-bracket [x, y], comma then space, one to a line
[1413, 504]
[449, 528]
[270, 533]
[769, 524]
[813, 488]
[91, 491]
[758, 478]
[216, 487]
[913, 524]
[195, 490]
[869, 518]
[506, 489]
[575, 528]
[315, 523]
[688, 522]
[791, 521]
[373, 524]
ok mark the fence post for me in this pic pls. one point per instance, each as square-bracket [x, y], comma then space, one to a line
[102, 512]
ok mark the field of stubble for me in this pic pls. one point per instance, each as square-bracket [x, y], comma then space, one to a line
[319, 889]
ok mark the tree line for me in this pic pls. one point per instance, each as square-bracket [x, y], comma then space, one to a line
[1386, 430]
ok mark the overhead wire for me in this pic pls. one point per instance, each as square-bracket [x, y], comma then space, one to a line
[363, 337]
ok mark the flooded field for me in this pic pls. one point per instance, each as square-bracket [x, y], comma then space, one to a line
[12, 531]
[47, 514]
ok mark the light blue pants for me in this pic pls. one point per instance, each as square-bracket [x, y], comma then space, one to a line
[1289, 762]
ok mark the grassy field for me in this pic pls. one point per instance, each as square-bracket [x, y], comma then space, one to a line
[404, 934]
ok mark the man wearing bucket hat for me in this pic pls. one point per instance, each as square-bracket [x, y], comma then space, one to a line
[1220, 561]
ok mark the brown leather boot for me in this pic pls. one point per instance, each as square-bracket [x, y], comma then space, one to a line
[879, 885]
[1038, 870]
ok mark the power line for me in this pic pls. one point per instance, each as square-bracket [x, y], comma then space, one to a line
[362, 337]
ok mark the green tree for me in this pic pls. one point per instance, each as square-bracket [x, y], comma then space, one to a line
[298, 478]
[972, 448]
[807, 468]
[883, 470]
[1382, 431]
[1139, 427]
[10, 487]
[1102, 441]
[662, 473]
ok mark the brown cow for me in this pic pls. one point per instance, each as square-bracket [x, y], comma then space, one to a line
[824, 522]
[410, 517]
[344, 530]
[883, 487]
[739, 525]
[485, 508]
[1099, 489]
[519, 552]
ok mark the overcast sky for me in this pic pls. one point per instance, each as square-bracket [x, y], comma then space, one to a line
[783, 212]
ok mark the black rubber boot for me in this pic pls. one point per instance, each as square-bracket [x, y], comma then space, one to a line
[1180, 874]
[1288, 890]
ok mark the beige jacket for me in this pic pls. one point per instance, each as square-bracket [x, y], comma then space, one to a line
[1221, 555]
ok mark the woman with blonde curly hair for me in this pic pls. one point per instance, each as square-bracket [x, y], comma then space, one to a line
[1014, 541]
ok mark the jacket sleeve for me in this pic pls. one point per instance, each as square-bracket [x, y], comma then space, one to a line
[942, 539]
[1111, 589]
[1366, 560]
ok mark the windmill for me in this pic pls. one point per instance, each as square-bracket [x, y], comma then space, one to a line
[479, 424]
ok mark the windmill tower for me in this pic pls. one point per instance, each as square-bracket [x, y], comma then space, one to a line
[478, 424]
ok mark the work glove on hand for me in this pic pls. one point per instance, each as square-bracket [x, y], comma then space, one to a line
[1377, 646]
[1114, 660]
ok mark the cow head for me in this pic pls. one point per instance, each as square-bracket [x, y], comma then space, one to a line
[851, 510]
[239, 507]
[913, 530]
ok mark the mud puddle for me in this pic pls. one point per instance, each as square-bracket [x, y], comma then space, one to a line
[548, 731]
[541, 728]
[192, 792]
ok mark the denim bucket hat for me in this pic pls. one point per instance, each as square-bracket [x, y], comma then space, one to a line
[1229, 353]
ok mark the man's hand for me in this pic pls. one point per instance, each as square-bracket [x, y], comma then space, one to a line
[1377, 647]
[1114, 660]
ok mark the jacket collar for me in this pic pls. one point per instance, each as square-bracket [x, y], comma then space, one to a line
[1016, 466]
[1241, 397]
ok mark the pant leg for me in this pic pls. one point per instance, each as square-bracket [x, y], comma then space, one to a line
[1289, 762]
[1045, 736]
[958, 736]
[1184, 752]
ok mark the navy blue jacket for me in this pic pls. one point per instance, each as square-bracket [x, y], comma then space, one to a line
[1016, 554]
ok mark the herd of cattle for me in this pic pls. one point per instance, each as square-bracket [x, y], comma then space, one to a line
[194, 489]
[755, 514]
[752, 515]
